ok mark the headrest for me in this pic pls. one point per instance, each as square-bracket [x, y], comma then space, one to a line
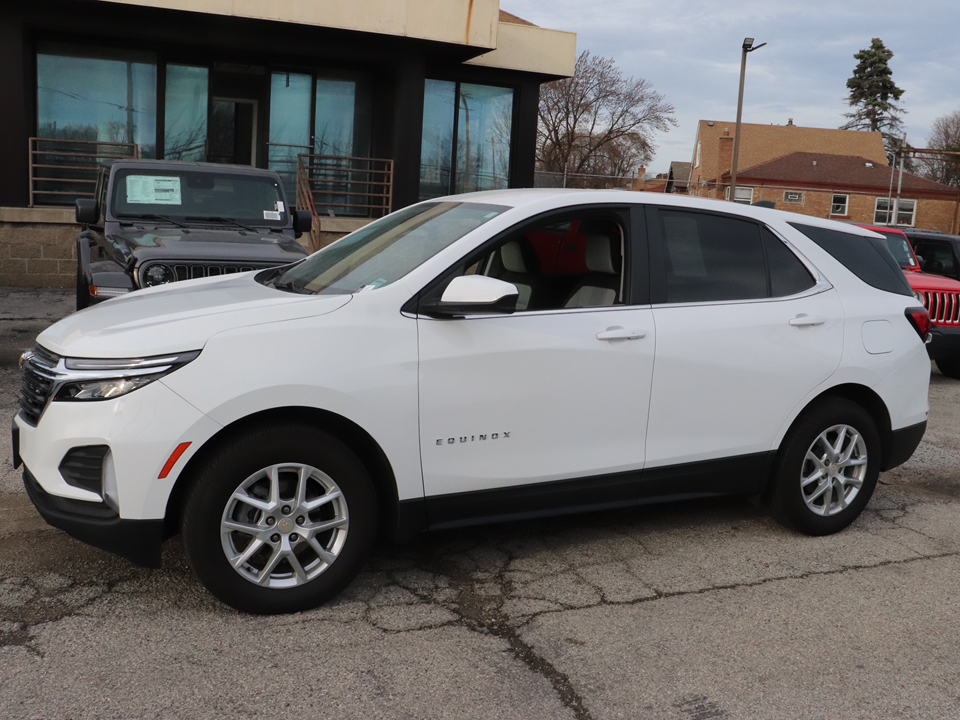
[600, 254]
[512, 257]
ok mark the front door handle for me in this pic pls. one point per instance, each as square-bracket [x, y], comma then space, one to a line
[621, 334]
[803, 320]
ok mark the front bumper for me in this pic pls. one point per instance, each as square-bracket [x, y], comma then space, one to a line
[99, 525]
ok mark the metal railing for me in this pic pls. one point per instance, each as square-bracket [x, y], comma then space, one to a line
[63, 170]
[338, 186]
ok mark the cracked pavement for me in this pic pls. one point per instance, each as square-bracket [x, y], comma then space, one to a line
[694, 610]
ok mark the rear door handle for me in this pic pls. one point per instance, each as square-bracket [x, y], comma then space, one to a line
[621, 334]
[803, 320]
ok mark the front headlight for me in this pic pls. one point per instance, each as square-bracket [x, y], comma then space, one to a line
[158, 275]
[103, 379]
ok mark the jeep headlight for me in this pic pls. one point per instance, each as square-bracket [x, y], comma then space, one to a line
[103, 379]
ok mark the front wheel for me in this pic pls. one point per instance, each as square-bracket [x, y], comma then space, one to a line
[279, 520]
[827, 468]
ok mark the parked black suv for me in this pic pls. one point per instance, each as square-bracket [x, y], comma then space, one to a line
[939, 253]
[153, 222]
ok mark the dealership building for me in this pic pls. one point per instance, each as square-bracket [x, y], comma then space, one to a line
[374, 103]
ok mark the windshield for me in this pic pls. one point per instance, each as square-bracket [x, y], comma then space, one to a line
[385, 250]
[900, 247]
[176, 195]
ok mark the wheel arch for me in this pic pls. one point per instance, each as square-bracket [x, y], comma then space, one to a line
[367, 450]
[863, 396]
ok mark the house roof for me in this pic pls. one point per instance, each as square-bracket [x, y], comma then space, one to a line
[511, 18]
[836, 170]
[680, 172]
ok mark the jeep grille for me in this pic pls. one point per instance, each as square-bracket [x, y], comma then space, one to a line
[191, 270]
[944, 307]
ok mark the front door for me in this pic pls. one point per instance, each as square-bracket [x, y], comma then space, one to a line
[558, 390]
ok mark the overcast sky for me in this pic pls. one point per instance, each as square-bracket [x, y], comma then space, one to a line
[690, 51]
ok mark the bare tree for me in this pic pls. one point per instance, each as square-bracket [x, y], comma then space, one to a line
[944, 135]
[599, 122]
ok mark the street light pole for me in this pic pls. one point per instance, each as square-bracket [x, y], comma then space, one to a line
[748, 46]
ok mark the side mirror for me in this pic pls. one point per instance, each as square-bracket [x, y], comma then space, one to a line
[87, 211]
[474, 295]
[302, 222]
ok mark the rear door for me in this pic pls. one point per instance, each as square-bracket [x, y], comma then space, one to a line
[744, 332]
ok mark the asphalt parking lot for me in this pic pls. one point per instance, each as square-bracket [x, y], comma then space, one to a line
[692, 610]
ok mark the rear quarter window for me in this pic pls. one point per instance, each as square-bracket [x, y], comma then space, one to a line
[867, 258]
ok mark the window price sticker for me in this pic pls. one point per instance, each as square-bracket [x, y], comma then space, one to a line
[153, 190]
[271, 215]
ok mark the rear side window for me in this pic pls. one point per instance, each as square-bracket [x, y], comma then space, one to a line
[712, 258]
[867, 258]
[788, 276]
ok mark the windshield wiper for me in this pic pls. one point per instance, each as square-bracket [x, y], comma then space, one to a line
[217, 218]
[161, 218]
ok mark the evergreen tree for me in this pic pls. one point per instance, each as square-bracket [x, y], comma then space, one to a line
[873, 95]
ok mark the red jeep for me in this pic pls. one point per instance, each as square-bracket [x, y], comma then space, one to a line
[940, 296]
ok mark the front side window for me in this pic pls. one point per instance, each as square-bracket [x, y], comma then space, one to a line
[839, 205]
[895, 211]
[385, 250]
[569, 261]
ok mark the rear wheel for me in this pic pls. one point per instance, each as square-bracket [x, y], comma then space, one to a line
[279, 520]
[827, 468]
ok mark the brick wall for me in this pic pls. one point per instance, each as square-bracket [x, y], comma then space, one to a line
[931, 213]
[36, 254]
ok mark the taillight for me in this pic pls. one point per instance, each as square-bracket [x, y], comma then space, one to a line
[920, 319]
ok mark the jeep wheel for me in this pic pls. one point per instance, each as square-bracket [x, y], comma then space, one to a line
[827, 468]
[950, 368]
[279, 520]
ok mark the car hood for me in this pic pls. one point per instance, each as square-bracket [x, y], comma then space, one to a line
[925, 281]
[178, 317]
[236, 244]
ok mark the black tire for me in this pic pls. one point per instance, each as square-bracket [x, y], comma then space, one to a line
[83, 290]
[236, 474]
[950, 368]
[814, 507]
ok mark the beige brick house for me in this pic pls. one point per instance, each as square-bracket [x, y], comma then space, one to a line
[840, 174]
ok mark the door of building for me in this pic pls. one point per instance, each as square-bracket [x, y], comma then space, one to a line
[232, 137]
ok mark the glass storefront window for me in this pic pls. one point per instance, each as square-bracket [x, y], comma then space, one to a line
[185, 113]
[97, 95]
[484, 127]
[480, 117]
[436, 148]
[291, 95]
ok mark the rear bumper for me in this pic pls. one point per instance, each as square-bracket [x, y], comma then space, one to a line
[99, 525]
[903, 443]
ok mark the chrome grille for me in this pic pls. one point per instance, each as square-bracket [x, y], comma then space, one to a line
[944, 307]
[39, 375]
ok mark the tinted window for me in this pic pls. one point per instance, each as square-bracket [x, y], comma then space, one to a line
[788, 276]
[711, 257]
[937, 258]
[867, 258]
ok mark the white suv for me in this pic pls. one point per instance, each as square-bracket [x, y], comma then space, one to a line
[483, 357]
